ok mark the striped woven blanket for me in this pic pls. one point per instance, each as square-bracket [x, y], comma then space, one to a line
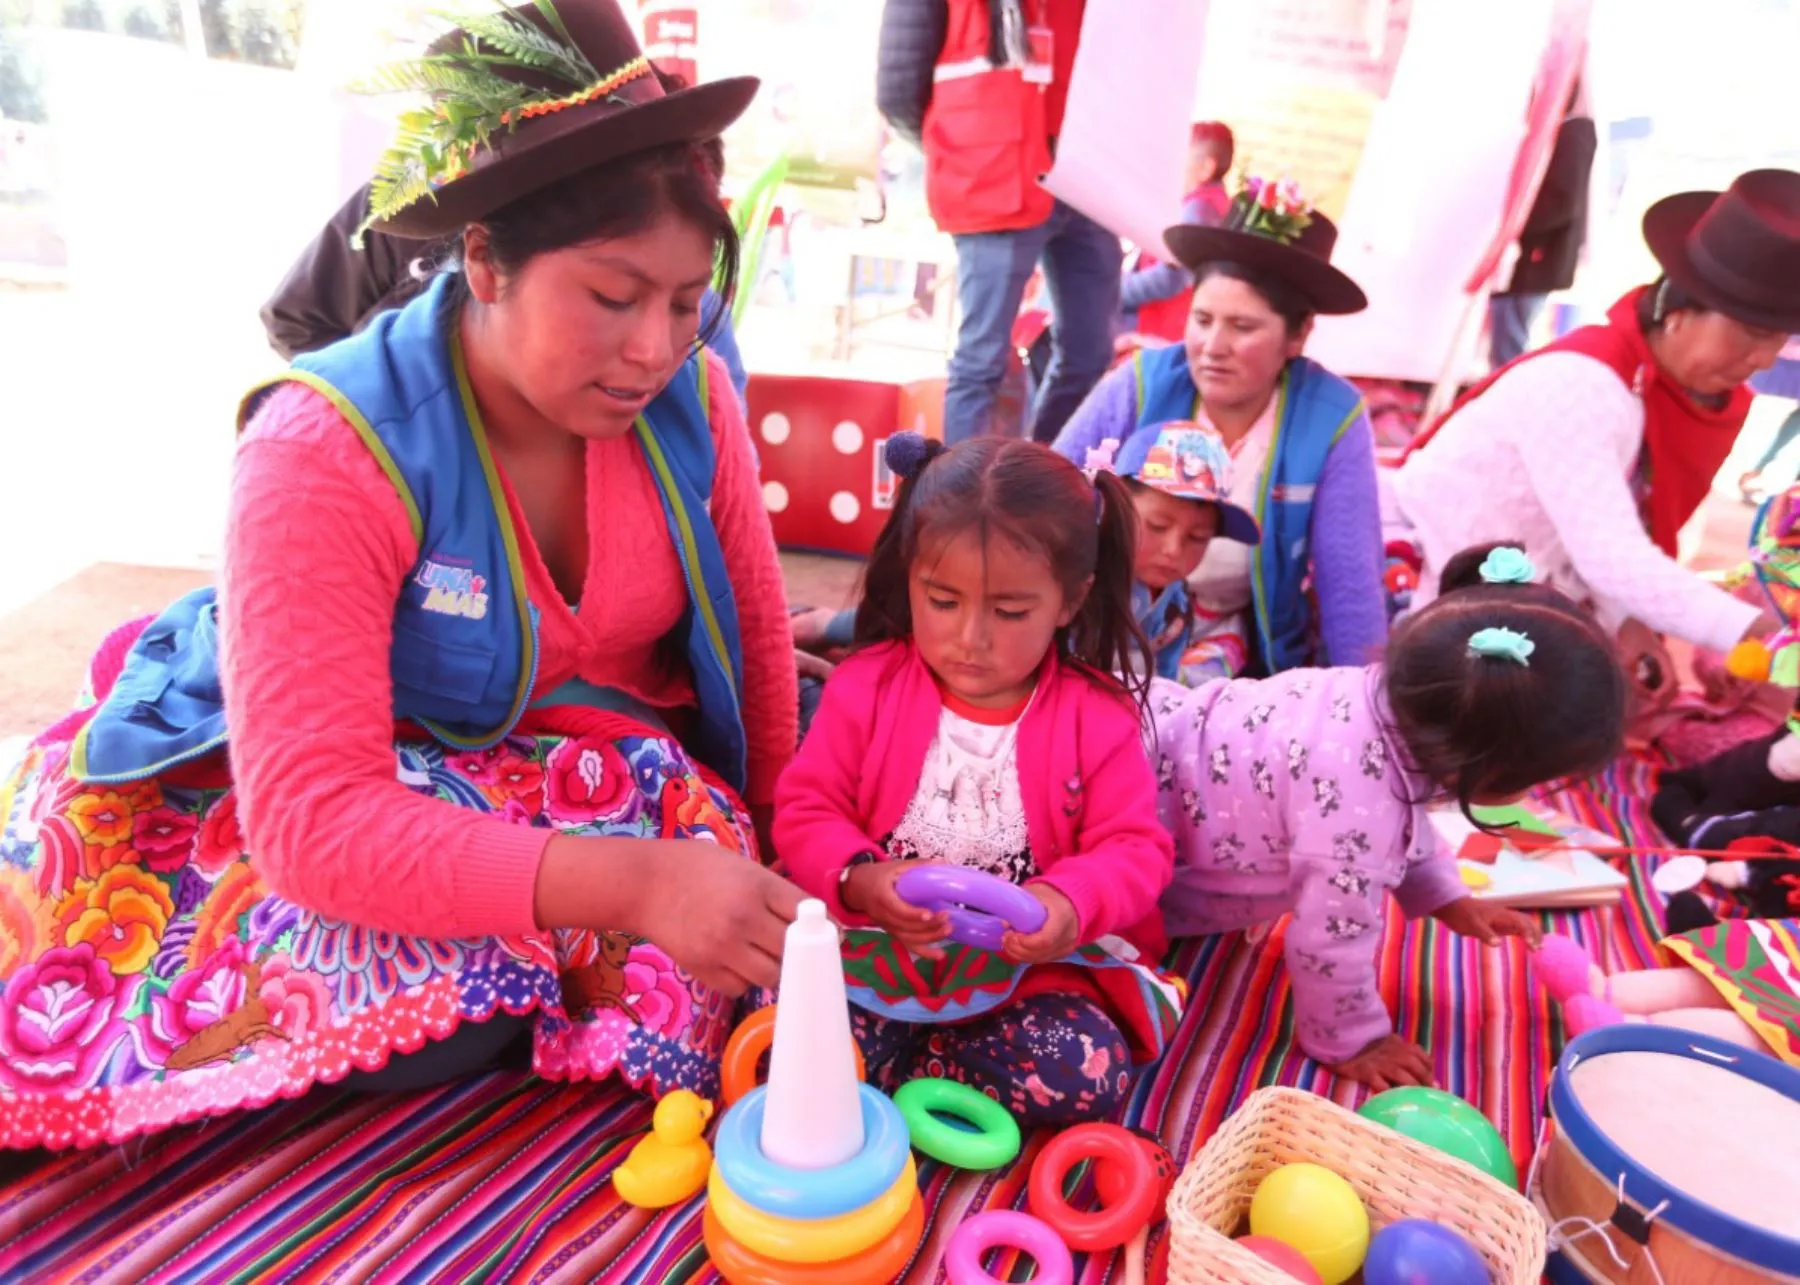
[506, 1177]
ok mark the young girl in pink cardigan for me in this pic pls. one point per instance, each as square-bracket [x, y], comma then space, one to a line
[979, 725]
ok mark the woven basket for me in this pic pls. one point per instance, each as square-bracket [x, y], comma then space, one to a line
[1395, 1176]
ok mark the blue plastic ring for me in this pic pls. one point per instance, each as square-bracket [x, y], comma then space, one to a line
[811, 1193]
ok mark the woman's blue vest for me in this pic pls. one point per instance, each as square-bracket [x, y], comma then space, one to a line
[465, 645]
[1313, 409]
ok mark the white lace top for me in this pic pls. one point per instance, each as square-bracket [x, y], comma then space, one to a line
[968, 810]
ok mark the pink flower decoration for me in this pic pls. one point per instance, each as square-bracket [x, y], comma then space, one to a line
[657, 995]
[221, 838]
[298, 1001]
[480, 766]
[164, 837]
[1100, 458]
[58, 1020]
[199, 997]
[589, 780]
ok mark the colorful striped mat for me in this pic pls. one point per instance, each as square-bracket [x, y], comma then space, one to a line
[506, 1178]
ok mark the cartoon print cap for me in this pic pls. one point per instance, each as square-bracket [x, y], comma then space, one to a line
[1189, 462]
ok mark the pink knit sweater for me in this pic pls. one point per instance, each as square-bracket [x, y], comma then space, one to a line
[318, 547]
[1084, 778]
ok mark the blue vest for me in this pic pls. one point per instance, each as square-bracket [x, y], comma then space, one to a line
[465, 647]
[1313, 410]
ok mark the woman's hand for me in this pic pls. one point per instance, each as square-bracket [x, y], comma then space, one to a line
[1488, 923]
[807, 665]
[869, 890]
[1766, 623]
[718, 915]
[722, 918]
[1059, 936]
[1388, 1063]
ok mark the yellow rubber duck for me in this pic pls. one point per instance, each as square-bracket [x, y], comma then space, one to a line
[672, 1163]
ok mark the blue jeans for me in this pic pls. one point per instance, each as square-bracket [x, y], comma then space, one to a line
[1509, 325]
[1081, 263]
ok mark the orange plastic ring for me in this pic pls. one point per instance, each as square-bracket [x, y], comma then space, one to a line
[1106, 1145]
[745, 1048]
[880, 1264]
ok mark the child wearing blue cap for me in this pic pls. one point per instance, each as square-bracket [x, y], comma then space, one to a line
[1179, 475]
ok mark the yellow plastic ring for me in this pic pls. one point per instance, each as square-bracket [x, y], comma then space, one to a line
[821, 1240]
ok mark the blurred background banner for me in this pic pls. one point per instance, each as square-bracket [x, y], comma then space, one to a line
[1123, 149]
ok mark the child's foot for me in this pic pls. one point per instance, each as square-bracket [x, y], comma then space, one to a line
[1565, 970]
[1585, 1012]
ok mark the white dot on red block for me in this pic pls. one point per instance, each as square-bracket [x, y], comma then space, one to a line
[775, 497]
[845, 507]
[775, 428]
[848, 437]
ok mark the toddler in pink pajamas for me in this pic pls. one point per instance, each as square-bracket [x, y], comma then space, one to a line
[1308, 792]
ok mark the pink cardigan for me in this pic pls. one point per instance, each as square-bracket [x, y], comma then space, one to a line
[1087, 785]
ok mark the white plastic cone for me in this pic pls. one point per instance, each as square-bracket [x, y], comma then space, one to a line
[812, 1118]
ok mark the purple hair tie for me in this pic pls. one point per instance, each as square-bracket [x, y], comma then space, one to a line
[908, 453]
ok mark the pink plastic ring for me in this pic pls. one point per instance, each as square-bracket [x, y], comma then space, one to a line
[1014, 1230]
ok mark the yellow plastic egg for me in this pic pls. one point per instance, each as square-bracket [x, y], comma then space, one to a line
[1311, 1209]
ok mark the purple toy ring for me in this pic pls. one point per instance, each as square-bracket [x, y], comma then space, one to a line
[981, 906]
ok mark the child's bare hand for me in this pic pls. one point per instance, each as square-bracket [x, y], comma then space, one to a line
[1388, 1063]
[870, 891]
[1060, 934]
[1488, 923]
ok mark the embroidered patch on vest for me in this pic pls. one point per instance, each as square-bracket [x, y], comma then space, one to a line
[452, 589]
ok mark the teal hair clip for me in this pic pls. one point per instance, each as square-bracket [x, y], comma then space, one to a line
[1502, 644]
[1507, 565]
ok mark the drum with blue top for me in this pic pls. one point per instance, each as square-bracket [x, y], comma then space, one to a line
[1671, 1158]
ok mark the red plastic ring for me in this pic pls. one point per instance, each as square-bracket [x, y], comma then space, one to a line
[1108, 1146]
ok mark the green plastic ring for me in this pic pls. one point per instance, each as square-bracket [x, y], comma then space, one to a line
[995, 1140]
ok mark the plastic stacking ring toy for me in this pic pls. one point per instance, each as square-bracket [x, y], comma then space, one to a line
[981, 906]
[880, 1264]
[1014, 1230]
[1106, 1145]
[822, 1240]
[995, 1143]
[745, 1048]
[777, 1189]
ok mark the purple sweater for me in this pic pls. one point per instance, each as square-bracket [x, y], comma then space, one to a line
[1346, 543]
[1289, 794]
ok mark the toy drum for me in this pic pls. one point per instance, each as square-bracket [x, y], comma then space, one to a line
[1670, 1157]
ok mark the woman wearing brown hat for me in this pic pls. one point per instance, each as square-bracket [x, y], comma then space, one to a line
[1303, 455]
[1595, 451]
[501, 639]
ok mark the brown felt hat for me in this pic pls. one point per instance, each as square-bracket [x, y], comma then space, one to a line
[1736, 251]
[1304, 262]
[633, 115]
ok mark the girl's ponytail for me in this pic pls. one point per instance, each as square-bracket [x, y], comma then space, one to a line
[1105, 634]
[886, 609]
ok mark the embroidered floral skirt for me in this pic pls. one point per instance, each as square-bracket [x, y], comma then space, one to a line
[147, 976]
